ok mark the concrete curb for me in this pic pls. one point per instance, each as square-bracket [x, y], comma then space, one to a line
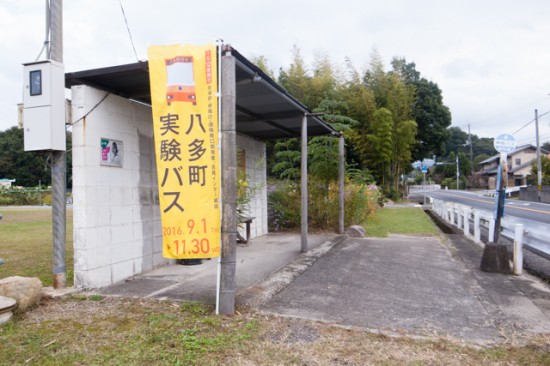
[50, 292]
[261, 292]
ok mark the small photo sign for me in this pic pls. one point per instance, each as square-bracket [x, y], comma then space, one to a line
[111, 152]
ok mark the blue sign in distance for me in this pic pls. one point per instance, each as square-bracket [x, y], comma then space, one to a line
[424, 169]
[505, 143]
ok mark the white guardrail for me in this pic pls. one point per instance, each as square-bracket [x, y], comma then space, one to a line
[521, 231]
[509, 191]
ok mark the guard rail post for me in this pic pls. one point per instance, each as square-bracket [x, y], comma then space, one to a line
[518, 249]
[477, 227]
[467, 221]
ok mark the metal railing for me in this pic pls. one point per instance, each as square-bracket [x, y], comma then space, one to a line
[509, 191]
[424, 188]
[533, 234]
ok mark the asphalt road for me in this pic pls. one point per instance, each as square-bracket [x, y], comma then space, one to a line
[534, 211]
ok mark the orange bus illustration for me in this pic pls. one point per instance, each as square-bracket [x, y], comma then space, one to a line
[180, 81]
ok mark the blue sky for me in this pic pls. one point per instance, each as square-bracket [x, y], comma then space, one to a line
[491, 58]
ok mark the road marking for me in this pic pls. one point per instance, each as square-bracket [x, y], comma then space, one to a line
[507, 205]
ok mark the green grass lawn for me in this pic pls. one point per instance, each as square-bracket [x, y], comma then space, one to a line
[26, 244]
[96, 330]
[400, 220]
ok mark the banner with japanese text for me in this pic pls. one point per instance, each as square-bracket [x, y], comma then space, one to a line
[185, 117]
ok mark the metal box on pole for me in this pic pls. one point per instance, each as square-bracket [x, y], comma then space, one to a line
[44, 105]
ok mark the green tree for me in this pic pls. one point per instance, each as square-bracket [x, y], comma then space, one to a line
[376, 146]
[287, 157]
[296, 79]
[262, 63]
[428, 111]
[545, 164]
[456, 142]
[323, 150]
[478, 159]
[27, 167]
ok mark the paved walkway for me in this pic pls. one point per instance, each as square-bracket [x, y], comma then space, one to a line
[399, 285]
[256, 261]
[416, 285]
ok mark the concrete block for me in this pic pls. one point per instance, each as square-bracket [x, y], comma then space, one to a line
[94, 278]
[122, 252]
[147, 263]
[98, 257]
[147, 248]
[120, 214]
[495, 259]
[80, 262]
[121, 233]
[122, 271]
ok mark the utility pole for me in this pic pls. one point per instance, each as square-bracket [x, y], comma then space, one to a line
[54, 18]
[471, 151]
[457, 173]
[539, 162]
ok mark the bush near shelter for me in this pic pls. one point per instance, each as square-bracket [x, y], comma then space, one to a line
[284, 204]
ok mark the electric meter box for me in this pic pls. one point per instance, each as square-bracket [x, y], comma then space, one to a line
[44, 106]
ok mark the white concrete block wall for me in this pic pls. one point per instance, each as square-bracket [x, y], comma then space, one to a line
[256, 176]
[117, 229]
[116, 215]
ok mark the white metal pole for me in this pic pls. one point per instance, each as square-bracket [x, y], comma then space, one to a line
[457, 173]
[539, 162]
[459, 217]
[518, 249]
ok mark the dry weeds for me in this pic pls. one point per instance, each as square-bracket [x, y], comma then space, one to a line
[136, 331]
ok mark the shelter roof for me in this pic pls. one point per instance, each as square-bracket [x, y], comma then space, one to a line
[264, 109]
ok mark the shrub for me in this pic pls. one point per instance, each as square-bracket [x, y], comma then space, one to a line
[284, 204]
[24, 196]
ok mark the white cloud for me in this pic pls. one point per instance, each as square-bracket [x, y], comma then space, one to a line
[489, 58]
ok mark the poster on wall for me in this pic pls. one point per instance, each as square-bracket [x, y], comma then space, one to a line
[111, 152]
[185, 121]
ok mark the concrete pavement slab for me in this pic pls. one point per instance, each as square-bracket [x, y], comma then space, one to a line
[255, 261]
[416, 285]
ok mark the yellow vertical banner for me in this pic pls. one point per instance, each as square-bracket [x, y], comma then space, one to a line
[185, 117]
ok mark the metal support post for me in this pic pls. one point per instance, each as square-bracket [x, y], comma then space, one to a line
[304, 193]
[341, 174]
[229, 185]
[539, 162]
[492, 224]
[459, 217]
[59, 218]
[502, 177]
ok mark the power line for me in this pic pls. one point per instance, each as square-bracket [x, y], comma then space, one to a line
[525, 125]
[128, 27]
[531, 121]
